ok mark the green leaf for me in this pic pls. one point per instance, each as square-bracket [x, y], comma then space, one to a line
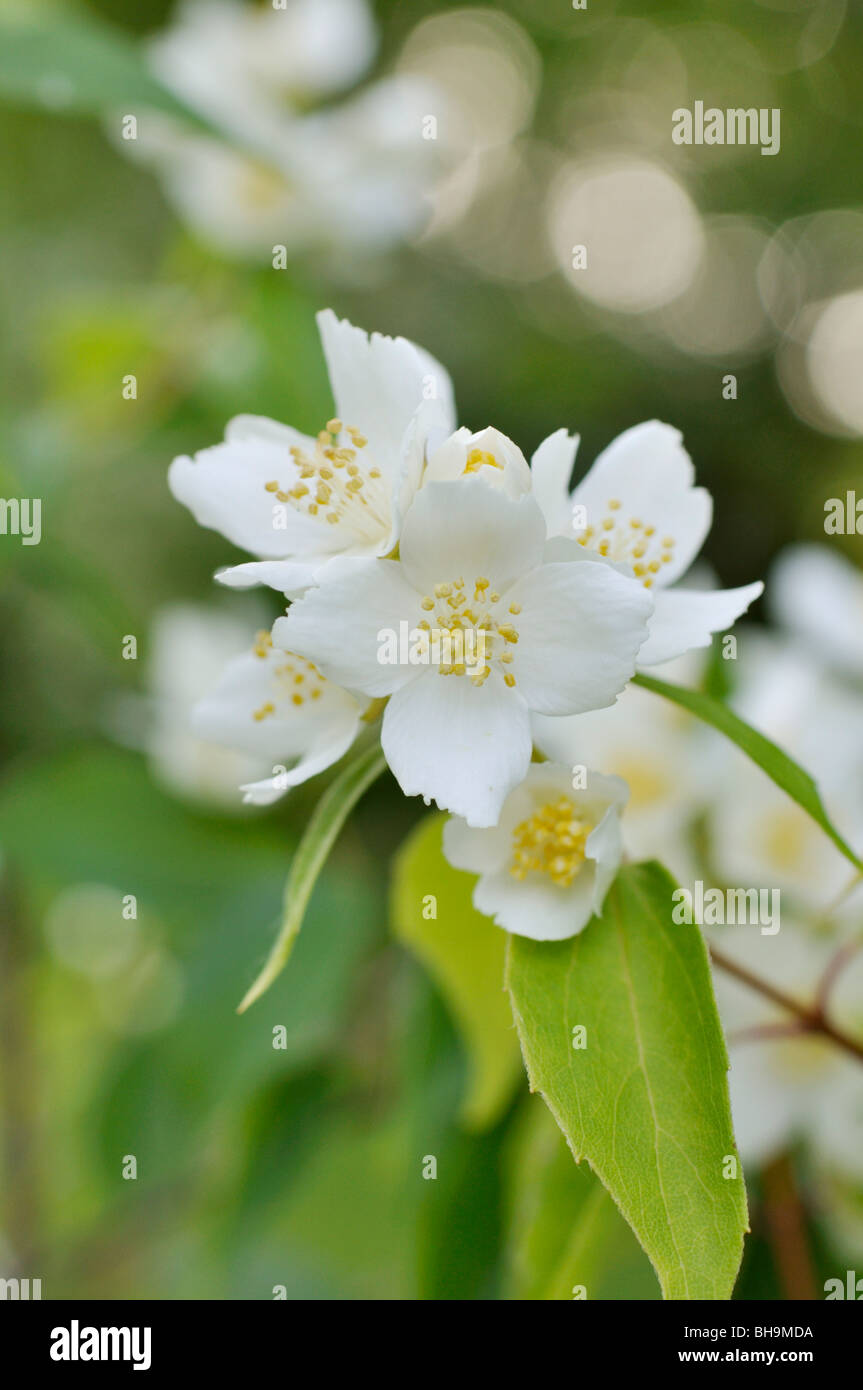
[465, 1197]
[564, 1229]
[74, 62]
[318, 839]
[645, 1101]
[346, 1229]
[465, 953]
[780, 768]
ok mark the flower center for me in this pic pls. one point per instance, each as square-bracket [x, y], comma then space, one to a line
[647, 778]
[480, 458]
[338, 483]
[294, 681]
[785, 838]
[552, 841]
[482, 618]
[261, 186]
[628, 541]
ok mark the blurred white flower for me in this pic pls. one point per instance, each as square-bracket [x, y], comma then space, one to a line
[545, 868]
[293, 170]
[189, 647]
[558, 639]
[297, 502]
[817, 596]
[759, 836]
[638, 509]
[241, 64]
[788, 1088]
[279, 708]
[663, 755]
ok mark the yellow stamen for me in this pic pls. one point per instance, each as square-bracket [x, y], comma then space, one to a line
[552, 841]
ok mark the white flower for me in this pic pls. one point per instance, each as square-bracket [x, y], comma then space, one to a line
[279, 707]
[788, 1088]
[560, 639]
[297, 502]
[240, 205]
[817, 595]
[545, 868]
[658, 750]
[643, 514]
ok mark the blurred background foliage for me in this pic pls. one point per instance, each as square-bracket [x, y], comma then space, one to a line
[302, 1166]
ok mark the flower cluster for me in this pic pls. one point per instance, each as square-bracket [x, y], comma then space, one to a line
[394, 519]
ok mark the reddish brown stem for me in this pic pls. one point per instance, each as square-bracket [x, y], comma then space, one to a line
[16, 1065]
[813, 1020]
[786, 1224]
[842, 957]
[768, 1032]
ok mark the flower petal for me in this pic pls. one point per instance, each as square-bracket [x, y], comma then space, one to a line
[537, 907]
[649, 473]
[687, 618]
[484, 850]
[321, 754]
[288, 577]
[252, 429]
[605, 847]
[460, 745]
[378, 383]
[224, 488]
[551, 467]
[580, 629]
[469, 529]
[339, 624]
[406, 479]
[474, 850]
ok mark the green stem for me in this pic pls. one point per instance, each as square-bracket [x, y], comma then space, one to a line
[318, 839]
